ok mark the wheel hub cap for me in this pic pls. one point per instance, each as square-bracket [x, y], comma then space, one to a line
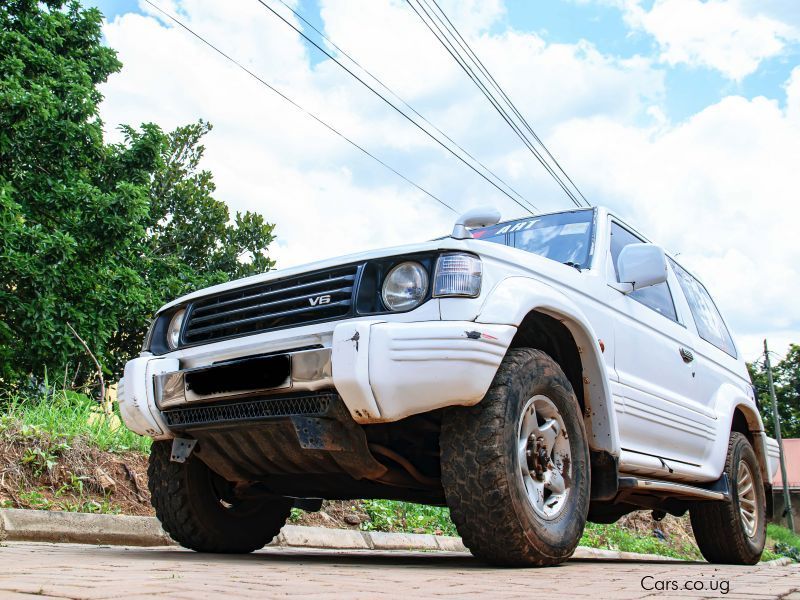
[545, 463]
[747, 499]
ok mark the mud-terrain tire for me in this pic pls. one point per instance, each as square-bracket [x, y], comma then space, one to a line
[482, 453]
[196, 510]
[722, 530]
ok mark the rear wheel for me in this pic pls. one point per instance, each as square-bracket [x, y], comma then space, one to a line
[198, 509]
[515, 467]
[734, 532]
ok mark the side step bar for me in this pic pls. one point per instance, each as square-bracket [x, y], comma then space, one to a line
[718, 490]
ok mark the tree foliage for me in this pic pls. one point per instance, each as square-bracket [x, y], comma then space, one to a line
[786, 375]
[93, 234]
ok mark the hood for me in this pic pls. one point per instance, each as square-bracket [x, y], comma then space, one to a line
[441, 244]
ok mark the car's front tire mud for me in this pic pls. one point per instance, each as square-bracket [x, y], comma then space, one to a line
[196, 507]
[490, 480]
[734, 532]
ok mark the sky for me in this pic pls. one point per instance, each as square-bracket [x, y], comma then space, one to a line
[683, 116]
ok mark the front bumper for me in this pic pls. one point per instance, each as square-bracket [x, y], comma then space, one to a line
[384, 371]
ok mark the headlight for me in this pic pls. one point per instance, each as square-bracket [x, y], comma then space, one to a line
[174, 329]
[458, 275]
[405, 286]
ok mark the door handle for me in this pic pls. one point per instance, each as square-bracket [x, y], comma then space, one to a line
[687, 355]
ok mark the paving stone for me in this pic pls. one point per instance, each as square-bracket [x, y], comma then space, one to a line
[105, 572]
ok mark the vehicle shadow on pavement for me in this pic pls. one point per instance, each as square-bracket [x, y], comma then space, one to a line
[446, 560]
[633, 561]
[317, 556]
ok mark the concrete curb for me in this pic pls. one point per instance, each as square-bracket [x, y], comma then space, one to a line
[19, 525]
[296, 536]
[80, 528]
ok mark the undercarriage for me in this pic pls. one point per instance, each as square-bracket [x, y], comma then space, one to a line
[308, 446]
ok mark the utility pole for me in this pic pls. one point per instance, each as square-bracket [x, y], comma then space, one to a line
[787, 501]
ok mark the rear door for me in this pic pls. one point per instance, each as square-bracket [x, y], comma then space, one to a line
[663, 427]
[715, 352]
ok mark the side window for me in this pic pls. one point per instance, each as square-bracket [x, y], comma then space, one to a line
[709, 322]
[657, 297]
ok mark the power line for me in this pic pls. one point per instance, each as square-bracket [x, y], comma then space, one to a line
[397, 109]
[500, 90]
[451, 47]
[456, 55]
[403, 101]
[458, 38]
[298, 106]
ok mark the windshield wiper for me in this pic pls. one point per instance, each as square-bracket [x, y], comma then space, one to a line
[569, 263]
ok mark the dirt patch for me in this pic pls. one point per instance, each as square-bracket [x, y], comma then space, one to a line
[38, 471]
[41, 472]
[337, 514]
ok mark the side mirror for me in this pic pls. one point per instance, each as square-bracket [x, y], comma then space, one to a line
[642, 265]
[482, 216]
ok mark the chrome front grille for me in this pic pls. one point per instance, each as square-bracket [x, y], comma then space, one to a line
[308, 298]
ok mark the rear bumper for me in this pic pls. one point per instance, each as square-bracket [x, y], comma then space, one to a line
[384, 371]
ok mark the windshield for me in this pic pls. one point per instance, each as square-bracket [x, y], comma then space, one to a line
[564, 237]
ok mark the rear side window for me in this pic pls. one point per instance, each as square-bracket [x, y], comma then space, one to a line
[658, 297]
[709, 322]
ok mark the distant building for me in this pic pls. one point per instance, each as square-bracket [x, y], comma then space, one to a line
[791, 450]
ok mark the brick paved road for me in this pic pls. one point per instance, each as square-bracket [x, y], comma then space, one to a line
[72, 571]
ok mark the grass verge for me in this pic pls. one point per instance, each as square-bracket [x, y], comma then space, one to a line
[614, 537]
[59, 451]
[392, 515]
[782, 542]
[67, 414]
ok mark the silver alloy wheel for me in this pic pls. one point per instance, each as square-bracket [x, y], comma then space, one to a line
[747, 499]
[545, 460]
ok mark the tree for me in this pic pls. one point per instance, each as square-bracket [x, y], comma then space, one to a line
[91, 234]
[786, 375]
[190, 241]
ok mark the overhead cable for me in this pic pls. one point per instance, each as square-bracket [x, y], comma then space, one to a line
[491, 178]
[449, 38]
[500, 90]
[298, 106]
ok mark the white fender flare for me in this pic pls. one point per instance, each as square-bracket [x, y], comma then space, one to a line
[513, 299]
[729, 398]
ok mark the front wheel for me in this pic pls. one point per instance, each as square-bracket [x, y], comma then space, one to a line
[734, 532]
[515, 467]
[198, 509]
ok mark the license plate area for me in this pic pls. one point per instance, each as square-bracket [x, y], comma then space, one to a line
[238, 377]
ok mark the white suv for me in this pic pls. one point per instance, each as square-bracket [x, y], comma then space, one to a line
[530, 375]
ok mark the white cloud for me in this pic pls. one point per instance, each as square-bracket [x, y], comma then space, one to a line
[731, 36]
[716, 187]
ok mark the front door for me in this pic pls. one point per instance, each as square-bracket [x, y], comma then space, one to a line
[663, 429]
